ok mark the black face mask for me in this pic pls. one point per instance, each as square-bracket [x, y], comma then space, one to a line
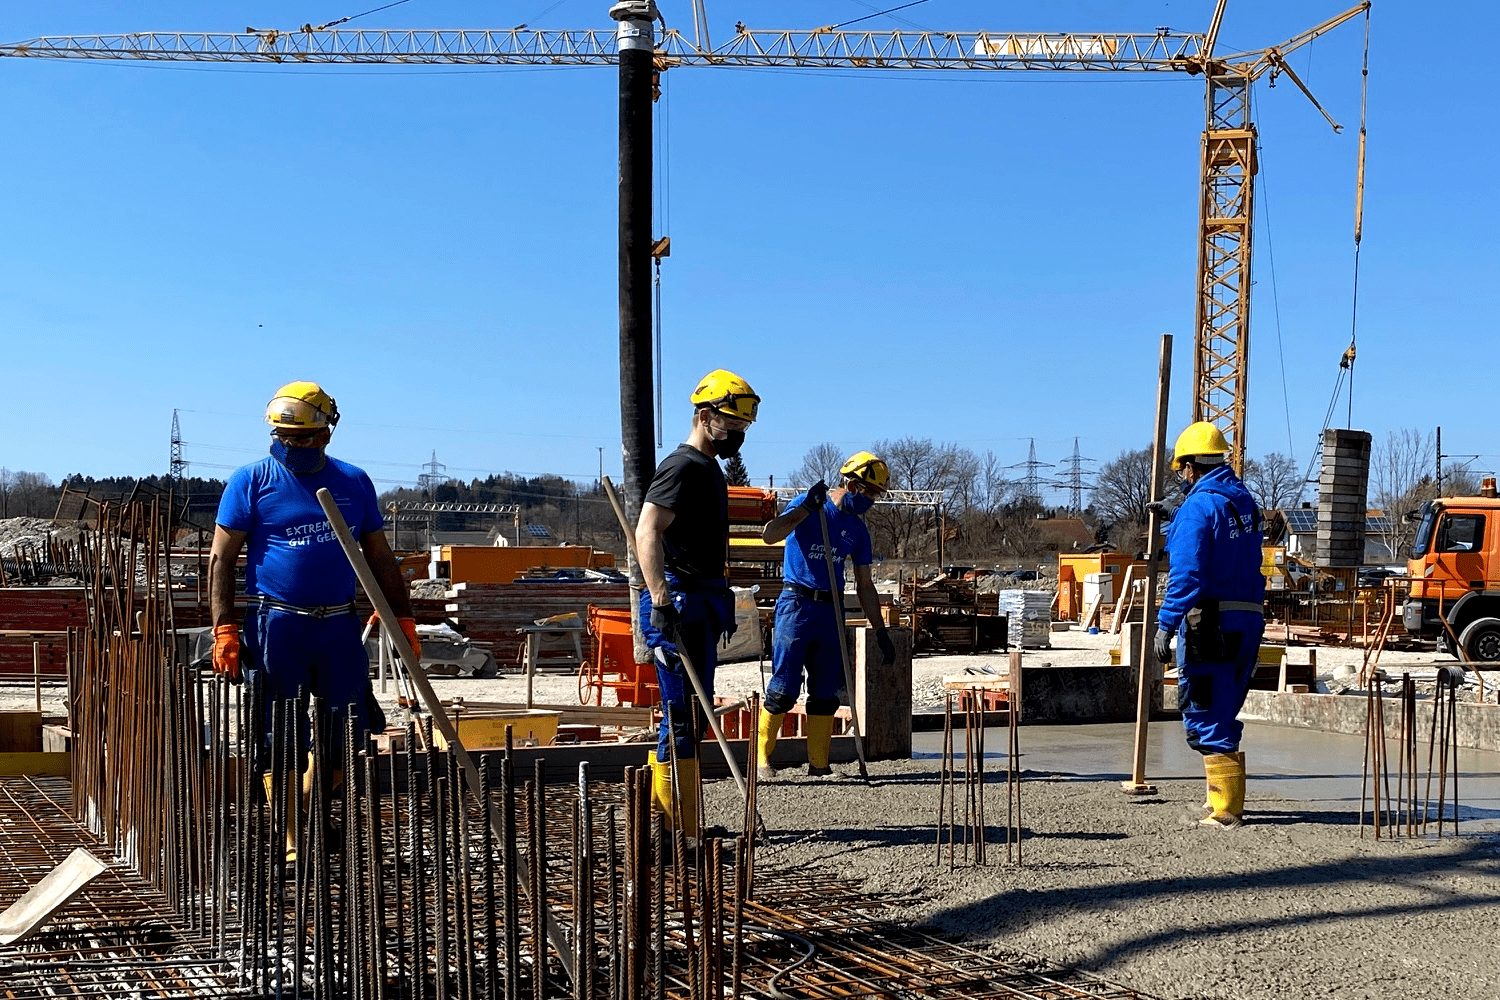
[302, 461]
[727, 446]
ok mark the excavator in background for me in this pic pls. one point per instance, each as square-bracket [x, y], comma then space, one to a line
[1455, 576]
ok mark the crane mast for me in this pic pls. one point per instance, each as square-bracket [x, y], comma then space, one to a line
[1221, 346]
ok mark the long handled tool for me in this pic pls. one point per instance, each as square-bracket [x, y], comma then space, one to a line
[434, 707]
[838, 607]
[687, 663]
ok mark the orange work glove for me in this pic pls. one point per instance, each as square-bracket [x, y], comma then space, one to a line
[409, 628]
[227, 651]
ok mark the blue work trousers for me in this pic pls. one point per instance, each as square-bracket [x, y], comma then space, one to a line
[805, 642]
[289, 655]
[707, 612]
[1211, 695]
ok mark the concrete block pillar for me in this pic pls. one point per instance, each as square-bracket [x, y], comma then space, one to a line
[882, 695]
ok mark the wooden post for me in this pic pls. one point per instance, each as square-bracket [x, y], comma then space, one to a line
[1146, 676]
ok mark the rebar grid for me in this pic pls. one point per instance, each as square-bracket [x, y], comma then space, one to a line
[119, 938]
[273, 843]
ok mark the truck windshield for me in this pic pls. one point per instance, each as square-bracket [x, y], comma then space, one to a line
[1423, 541]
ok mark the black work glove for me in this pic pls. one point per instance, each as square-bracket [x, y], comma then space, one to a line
[1163, 645]
[1165, 509]
[817, 494]
[887, 647]
[665, 618]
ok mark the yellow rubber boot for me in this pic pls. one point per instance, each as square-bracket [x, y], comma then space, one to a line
[688, 788]
[293, 802]
[1237, 803]
[1226, 789]
[765, 745]
[819, 729]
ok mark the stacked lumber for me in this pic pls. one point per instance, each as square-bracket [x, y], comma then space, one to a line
[943, 592]
[41, 610]
[490, 613]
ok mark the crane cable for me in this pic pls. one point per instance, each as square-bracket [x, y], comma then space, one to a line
[1359, 212]
[1346, 362]
[660, 192]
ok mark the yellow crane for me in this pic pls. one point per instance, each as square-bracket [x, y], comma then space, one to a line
[1226, 194]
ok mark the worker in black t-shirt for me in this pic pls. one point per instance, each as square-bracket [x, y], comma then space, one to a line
[682, 541]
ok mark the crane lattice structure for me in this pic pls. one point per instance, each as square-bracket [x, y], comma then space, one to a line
[1228, 160]
[1075, 477]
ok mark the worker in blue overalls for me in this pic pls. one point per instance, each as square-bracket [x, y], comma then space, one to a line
[808, 628]
[1213, 603]
[301, 634]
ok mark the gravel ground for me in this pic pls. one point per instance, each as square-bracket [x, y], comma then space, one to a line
[1295, 904]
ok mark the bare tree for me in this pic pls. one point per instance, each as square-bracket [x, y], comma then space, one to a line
[922, 464]
[1274, 481]
[822, 462]
[1121, 491]
[1401, 480]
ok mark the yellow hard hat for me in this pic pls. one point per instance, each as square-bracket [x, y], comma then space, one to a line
[727, 393]
[1200, 440]
[302, 405]
[868, 469]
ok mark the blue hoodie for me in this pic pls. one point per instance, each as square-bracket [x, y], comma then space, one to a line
[1214, 543]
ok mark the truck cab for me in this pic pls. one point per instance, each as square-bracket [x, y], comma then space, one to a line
[1455, 576]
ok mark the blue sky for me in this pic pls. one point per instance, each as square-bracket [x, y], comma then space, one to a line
[972, 257]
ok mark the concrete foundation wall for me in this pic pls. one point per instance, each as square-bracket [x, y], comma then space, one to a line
[1478, 725]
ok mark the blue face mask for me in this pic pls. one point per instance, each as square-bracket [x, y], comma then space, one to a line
[302, 461]
[856, 503]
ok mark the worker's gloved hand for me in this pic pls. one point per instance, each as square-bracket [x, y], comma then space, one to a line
[817, 495]
[1165, 509]
[665, 618]
[409, 629]
[226, 655]
[887, 647]
[1163, 645]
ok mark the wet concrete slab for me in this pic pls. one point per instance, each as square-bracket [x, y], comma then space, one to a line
[1321, 769]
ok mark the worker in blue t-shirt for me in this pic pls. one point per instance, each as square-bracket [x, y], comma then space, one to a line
[1213, 601]
[301, 632]
[682, 544]
[808, 627]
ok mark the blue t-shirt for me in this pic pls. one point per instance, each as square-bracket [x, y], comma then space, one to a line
[804, 564]
[292, 554]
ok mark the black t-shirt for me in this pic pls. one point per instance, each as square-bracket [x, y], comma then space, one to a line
[691, 485]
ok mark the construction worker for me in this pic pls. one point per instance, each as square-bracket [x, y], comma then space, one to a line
[809, 630]
[301, 632]
[1213, 602]
[682, 542]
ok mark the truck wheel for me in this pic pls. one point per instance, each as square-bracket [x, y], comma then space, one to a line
[1481, 640]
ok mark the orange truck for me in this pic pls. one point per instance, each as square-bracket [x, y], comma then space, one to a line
[1455, 576]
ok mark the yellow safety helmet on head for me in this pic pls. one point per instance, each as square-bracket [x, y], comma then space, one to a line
[302, 406]
[868, 469]
[727, 393]
[1201, 442]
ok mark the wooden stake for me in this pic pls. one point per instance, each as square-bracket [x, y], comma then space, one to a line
[1147, 669]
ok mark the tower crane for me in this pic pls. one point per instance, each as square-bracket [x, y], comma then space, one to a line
[1228, 152]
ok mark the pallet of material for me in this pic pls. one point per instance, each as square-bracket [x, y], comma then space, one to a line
[490, 613]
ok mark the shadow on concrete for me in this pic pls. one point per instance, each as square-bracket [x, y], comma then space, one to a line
[999, 912]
